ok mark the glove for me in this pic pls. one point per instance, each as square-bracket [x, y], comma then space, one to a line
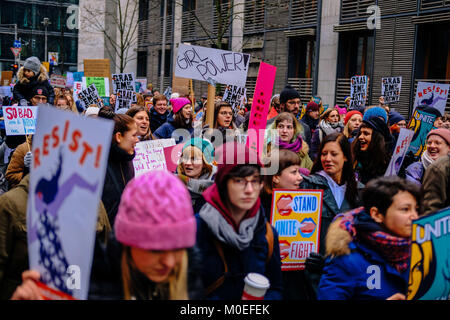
[27, 159]
[315, 263]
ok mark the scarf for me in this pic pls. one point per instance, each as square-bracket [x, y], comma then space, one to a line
[295, 146]
[312, 123]
[329, 127]
[426, 160]
[395, 250]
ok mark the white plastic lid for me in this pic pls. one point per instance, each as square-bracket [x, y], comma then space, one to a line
[257, 280]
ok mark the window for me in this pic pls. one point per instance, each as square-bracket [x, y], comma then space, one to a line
[169, 8]
[189, 5]
[301, 57]
[167, 55]
[142, 64]
[143, 10]
[355, 54]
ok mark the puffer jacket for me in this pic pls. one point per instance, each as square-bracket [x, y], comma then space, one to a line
[353, 270]
[436, 185]
[167, 129]
[16, 169]
[414, 173]
[24, 87]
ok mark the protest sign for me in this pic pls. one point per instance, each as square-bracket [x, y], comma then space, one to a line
[429, 276]
[20, 120]
[123, 81]
[124, 99]
[404, 139]
[90, 96]
[150, 155]
[172, 155]
[180, 85]
[433, 95]
[391, 88]
[358, 92]
[296, 216]
[421, 123]
[70, 154]
[46, 65]
[58, 81]
[102, 85]
[260, 107]
[6, 78]
[140, 85]
[69, 79]
[234, 95]
[53, 58]
[96, 68]
[168, 92]
[78, 76]
[77, 88]
[6, 91]
[206, 64]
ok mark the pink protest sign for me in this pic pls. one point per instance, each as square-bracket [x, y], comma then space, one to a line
[260, 106]
[172, 155]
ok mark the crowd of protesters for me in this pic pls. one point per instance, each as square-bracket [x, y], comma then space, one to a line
[195, 233]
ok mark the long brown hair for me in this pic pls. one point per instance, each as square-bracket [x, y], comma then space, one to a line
[219, 105]
[136, 109]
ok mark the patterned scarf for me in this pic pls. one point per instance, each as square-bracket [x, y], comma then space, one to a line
[362, 227]
[295, 146]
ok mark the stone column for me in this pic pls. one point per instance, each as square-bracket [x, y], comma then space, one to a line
[237, 37]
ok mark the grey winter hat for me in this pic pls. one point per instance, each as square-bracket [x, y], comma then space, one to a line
[33, 64]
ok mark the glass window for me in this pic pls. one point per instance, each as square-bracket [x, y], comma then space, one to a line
[301, 57]
[355, 54]
[142, 64]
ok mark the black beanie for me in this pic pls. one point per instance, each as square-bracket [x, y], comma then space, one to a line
[379, 125]
[288, 93]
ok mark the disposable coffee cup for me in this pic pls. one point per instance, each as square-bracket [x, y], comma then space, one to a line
[255, 287]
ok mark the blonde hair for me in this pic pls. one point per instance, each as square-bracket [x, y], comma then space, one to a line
[196, 153]
[174, 288]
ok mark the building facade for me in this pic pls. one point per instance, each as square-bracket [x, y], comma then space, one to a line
[316, 45]
[28, 15]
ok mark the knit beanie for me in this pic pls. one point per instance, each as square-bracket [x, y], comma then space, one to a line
[33, 64]
[395, 117]
[288, 93]
[350, 115]
[179, 103]
[348, 98]
[441, 132]
[155, 213]
[204, 145]
[341, 110]
[375, 112]
[312, 106]
[379, 125]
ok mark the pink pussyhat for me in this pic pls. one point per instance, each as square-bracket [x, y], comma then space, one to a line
[341, 110]
[155, 213]
[179, 103]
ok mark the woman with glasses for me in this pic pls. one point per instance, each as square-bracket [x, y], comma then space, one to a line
[223, 125]
[233, 234]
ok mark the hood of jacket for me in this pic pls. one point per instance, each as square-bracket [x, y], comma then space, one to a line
[41, 77]
[337, 240]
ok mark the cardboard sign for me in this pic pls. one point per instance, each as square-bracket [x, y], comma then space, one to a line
[123, 81]
[358, 92]
[90, 96]
[102, 85]
[96, 68]
[260, 107]
[70, 153]
[421, 123]
[402, 146]
[296, 216]
[391, 88]
[234, 95]
[207, 64]
[172, 155]
[20, 120]
[58, 81]
[6, 78]
[429, 276]
[432, 94]
[150, 155]
[180, 85]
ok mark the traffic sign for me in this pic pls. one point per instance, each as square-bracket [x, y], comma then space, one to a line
[17, 44]
[16, 51]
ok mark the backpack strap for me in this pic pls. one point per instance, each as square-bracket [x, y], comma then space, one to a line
[212, 287]
[269, 238]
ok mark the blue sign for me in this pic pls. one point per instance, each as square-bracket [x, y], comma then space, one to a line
[17, 44]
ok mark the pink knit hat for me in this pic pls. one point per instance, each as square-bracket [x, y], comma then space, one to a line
[441, 132]
[178, 103]
[155, 213]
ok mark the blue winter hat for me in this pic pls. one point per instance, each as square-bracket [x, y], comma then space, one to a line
[375, 112]
[395, 117]
[204, 145]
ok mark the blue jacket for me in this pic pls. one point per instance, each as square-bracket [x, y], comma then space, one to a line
[167, 129]
[156, 119]
[357, 271]
[240, 263]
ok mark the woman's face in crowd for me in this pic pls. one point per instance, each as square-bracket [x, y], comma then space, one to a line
[437, 147]
[285, 130]
[161, 106]
[142, 122]
[128, 140]
[156, 265]
[438, 122]
[224, 117]
[62, 104]
[289, 178]
[192, 162]
[28, 73]
[354, 122]
[333, 117]
[399, 216]
[186, 111]
[402, 124]
[333, 160]
[314, 114]
[365, 137]
[243, 192]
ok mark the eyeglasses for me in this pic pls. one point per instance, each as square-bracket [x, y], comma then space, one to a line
[224, 113]
[241, 183]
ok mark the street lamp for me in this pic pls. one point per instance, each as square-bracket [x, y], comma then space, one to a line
[46, 22]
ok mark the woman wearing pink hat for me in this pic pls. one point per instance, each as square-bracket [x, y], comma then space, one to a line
[182, 118]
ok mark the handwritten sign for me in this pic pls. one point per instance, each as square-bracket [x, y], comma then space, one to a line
[358, 92]
[234, 95]
[70, 154]
[296, 216]
[429, 275]
[124, 99]
[433, 95]
[260, 107]
[101, 84]
[77, 88]
[421, 124]
[200, 63]
[97, 68]
[89, 96]
[123, 81]
[391, 88]
[58, 81]
[404, 139]
[20, 120]
[172, 155]
[150, 155]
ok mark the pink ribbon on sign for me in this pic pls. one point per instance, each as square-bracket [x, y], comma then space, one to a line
[260, 106]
